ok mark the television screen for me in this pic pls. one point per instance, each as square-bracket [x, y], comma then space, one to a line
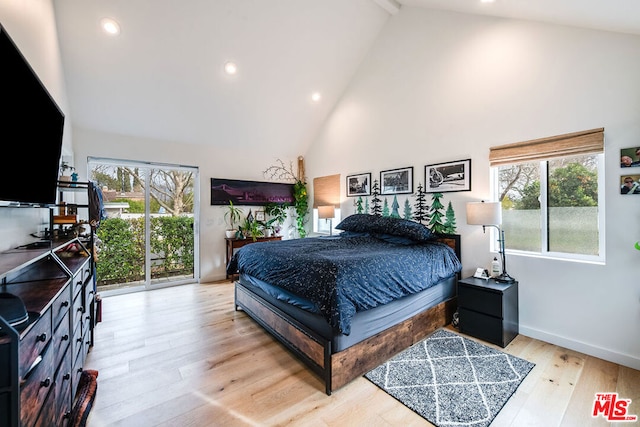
[31, 127]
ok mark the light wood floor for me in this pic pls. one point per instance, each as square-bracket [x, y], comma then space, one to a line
[183, 356]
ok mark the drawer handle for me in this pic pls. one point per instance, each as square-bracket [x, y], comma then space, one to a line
[42, 337]
[64, 337]
[80, 309]
[79, 340]
[46, 383]
[66, 376]
[79, 282]
[87, 318]
[79, 370]
[65, 304]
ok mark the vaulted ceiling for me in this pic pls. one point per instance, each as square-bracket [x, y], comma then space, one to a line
[163, 76]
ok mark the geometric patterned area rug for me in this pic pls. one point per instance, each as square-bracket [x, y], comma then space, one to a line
[451, 380]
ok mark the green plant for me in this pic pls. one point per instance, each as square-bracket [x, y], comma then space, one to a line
[251, 227]
[300, 196]
[278, 214]
[233, 215]
[301, 206]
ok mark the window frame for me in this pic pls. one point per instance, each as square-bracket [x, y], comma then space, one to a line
[544, 215]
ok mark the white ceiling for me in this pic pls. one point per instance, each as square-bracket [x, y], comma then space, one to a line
[163, 78]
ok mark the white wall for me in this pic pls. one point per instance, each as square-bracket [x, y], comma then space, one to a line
[31, 25]
[441, 86]
[211, 162]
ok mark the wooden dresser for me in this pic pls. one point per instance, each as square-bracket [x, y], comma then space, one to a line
[41, 360]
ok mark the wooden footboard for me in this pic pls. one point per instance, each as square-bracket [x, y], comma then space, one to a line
[338, 369]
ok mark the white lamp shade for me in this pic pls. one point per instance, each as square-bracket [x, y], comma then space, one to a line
[484, 213]
[326, 212]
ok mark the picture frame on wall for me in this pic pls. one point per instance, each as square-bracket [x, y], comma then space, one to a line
[250, 193]
[630, 157]
[260, 216]
[448, 177]
[397, 181]
[359, 185]
[630, 184]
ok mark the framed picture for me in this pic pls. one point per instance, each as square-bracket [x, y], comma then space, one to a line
[630, 157]
[359, 185]
[250, 193]
[397, 181]
[630, 184]
[259, 215]
[448, 177]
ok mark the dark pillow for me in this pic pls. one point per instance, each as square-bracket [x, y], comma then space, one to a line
[366, 223]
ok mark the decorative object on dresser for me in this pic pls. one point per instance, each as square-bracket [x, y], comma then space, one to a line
[488, 309]
[489, 214]
[315, 295]
[452, 380]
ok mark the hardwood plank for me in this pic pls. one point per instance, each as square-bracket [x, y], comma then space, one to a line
[183, 356]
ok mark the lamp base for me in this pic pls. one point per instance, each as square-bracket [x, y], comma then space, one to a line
[504, 278]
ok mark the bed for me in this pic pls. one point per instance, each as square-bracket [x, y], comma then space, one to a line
[345, 304]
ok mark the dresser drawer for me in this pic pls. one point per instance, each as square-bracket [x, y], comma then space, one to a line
[35, 341]
[77, 284]
[61, 306]
[480, 300]
[77, 312]
[481, 326]
[63, 389]
[62, 339]
[36, 386]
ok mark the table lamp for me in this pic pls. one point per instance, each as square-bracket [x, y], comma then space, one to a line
[489, 214]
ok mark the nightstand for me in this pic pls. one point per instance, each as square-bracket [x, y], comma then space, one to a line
[488, 310]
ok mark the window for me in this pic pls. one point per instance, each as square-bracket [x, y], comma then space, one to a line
[552, 206]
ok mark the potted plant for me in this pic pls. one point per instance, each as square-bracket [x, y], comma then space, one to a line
[233, 215]
[278, 214]
[251, 228]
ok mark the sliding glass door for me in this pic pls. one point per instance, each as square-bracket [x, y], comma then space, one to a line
[149, 236]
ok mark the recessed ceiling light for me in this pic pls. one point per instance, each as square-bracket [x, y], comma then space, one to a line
[110, 26]
[230, 68]
[315, 97]
[487, 1]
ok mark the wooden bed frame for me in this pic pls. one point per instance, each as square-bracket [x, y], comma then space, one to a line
[338, 369]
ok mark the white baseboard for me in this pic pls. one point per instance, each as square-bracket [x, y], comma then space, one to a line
[582, 347]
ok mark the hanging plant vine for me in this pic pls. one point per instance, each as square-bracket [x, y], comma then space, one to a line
[301, 198]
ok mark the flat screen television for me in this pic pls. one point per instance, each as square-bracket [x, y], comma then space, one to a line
[31, 128]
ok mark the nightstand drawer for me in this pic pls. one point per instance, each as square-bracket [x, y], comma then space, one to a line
[481, 326]
[480, 300]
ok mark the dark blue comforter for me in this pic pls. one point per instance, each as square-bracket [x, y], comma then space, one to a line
[343, 275]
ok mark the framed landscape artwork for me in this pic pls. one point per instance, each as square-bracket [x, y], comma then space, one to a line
[359, 185]
[250, 193]
[397, 181]
[448, 177]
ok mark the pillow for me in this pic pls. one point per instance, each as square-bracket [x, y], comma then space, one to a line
[366, 223]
